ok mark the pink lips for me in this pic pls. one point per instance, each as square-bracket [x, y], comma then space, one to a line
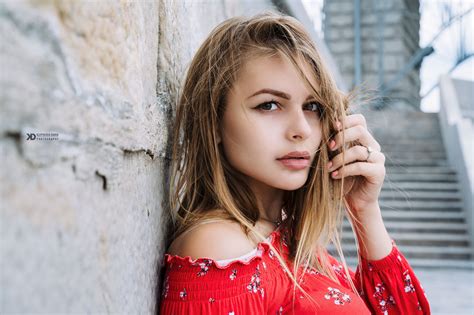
[296, 160]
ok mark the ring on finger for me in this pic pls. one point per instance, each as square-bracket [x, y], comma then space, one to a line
[369, 151]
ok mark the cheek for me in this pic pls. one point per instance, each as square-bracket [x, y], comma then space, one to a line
[318, 137]
[317, 133]
[246, 148]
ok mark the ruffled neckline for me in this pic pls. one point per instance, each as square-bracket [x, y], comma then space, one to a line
[262, 247]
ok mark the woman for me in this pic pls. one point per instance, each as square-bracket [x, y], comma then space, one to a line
[265, 164]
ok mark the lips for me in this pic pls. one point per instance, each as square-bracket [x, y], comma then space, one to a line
[296, 155]
[296, 160]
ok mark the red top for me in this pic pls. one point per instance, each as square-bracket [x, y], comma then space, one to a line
[259, 285]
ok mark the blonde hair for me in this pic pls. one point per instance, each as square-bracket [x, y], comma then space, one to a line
[202, 179]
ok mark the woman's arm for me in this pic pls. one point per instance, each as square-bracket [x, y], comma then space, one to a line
[374, 241]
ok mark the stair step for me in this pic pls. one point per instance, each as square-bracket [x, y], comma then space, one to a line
[425, 263]
[405, 146]
[410, 133]
[408, 209]
[400, 154]
[434, 186]
[409, 251]
[419, 249]
[416, 204]
[425, 239]
[426, 227]
[411, 195]
[427, 177]
[425, 215]
[421, 236]
[418, 162]
[421, 170]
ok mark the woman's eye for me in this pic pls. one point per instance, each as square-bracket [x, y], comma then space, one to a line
[267, 106]
[314, 106]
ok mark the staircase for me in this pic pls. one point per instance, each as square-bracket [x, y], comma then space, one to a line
[420, 200]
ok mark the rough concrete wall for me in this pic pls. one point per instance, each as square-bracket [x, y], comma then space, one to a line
[82, 217]
[400, 33]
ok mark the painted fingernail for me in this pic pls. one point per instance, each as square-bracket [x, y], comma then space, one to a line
[332, 144]
[338, 125]
[335, 173]
[329, 165]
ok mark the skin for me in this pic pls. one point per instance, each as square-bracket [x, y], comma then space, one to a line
[254, 137]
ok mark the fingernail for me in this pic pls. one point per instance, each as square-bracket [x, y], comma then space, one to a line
[335, 173]
[332, 144]
[329, 165]
[338, 125]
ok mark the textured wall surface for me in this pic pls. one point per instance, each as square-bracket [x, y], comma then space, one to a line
[82, 216]
[390, 28]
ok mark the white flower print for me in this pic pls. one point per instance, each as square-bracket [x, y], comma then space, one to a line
[340, 298]
[231, 313]
[280, 311]
[409, 288]
[384, 303]
[271, 254]
[254, 285]
[212, 300]
[233, 275]
[204, 267]
[183, 294]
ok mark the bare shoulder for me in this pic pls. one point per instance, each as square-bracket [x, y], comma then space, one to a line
[216, 240]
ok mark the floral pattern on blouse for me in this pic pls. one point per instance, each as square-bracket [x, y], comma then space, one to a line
[385, 301]
[340, 298]
[204, 267]
[409, 288]
[183, 294]
[255, 284]
[233, 275]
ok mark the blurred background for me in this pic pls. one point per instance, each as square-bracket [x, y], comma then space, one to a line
[86, 102]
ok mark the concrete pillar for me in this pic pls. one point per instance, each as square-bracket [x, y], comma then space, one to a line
[389, 29]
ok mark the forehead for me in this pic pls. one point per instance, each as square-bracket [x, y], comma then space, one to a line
[274, 72]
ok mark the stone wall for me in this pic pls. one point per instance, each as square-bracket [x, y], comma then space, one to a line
[399, 30]
[82, 216]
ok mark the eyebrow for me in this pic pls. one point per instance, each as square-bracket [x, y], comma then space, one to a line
[276, 93]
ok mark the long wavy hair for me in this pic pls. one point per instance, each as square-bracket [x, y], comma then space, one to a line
[202, 180]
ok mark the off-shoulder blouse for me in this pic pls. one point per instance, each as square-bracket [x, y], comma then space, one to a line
[256, 283]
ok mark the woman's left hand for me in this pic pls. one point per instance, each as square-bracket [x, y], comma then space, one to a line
[364, 172]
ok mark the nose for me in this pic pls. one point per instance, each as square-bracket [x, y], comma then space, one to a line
[299, 127]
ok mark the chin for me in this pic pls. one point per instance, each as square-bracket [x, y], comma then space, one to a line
[291, 185]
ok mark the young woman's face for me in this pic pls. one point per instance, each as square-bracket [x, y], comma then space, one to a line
[269, 113]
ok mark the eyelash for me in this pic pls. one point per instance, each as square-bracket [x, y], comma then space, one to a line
[317, 110]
